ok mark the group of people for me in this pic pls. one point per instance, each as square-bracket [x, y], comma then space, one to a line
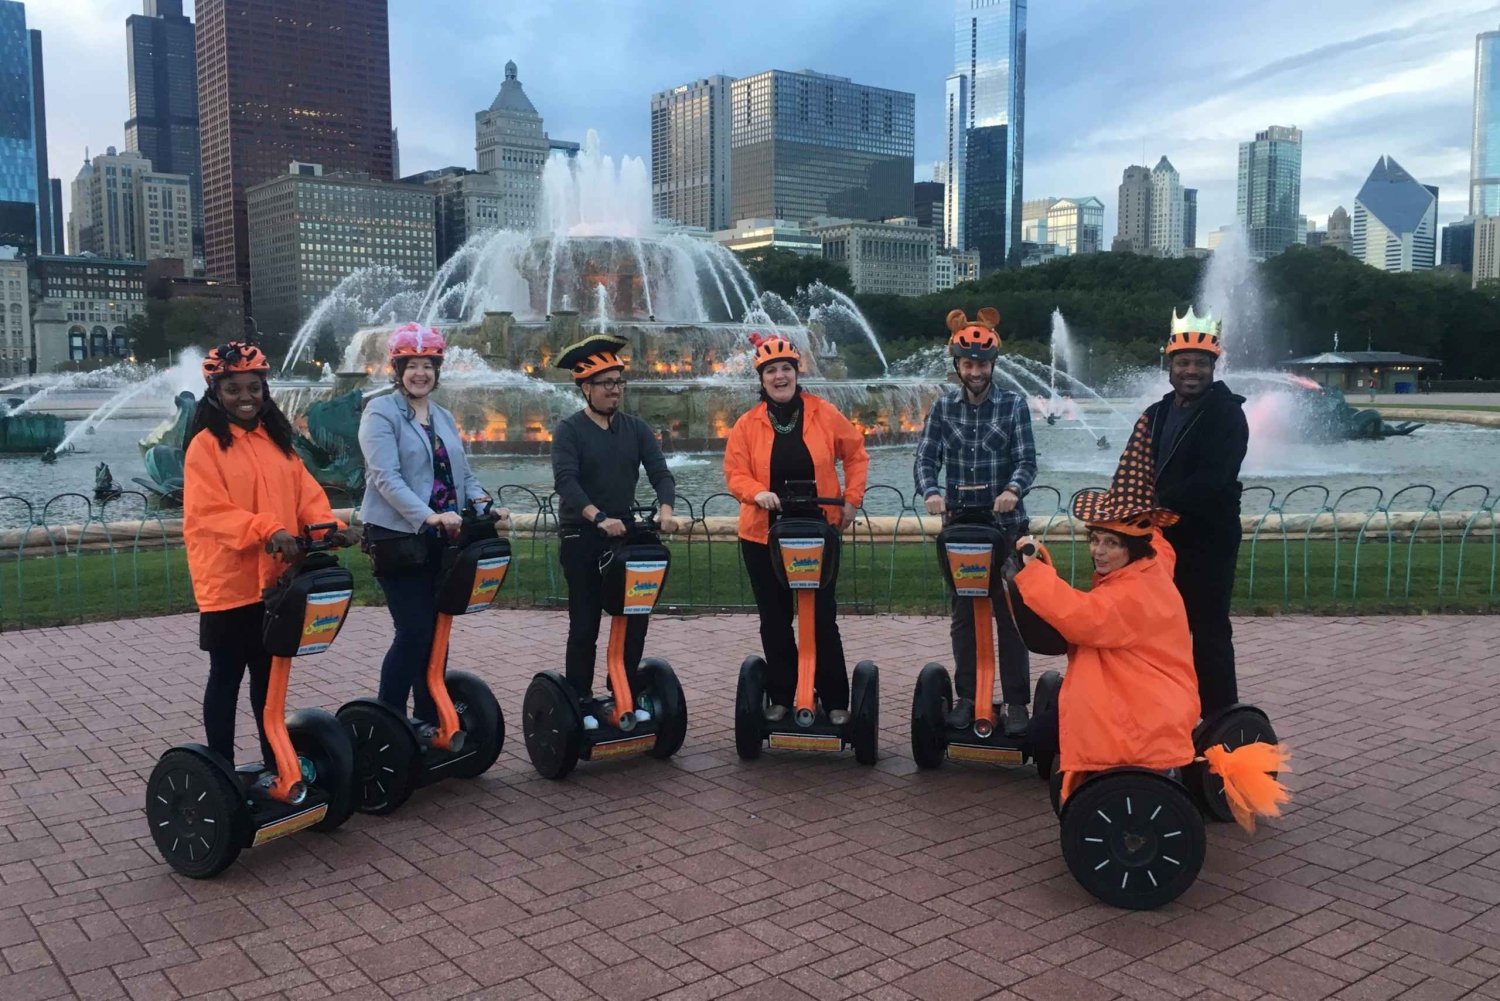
[1150, 640]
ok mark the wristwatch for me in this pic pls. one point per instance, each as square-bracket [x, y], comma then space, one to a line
[600, 517]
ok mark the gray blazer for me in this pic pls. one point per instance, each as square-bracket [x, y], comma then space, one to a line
[398, 462]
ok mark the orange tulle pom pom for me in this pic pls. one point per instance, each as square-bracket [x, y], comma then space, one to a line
[1250, 785]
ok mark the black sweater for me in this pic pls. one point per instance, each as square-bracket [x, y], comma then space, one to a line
[1198, 476]
[591, 465]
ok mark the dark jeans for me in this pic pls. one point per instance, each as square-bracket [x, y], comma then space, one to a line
[221, 697]
[777, 603]
[1014, 659]
[412, 600]
[579, 552]
[1206, 563]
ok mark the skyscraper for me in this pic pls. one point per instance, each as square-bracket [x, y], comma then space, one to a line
[1484, 153]
[1395, 220]
[690, 153]
[296, 80]
[163, 71]
[1166, 210]
[1269, 194]
[1189, 218]
[985, 118]
[1133, 224]
[808, 144]
[1076, 224]
[48, 210]
[122, 209]
[18, 157]
[510, 144]
[928, 208]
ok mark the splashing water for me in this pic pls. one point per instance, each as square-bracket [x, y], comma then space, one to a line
[186, 374]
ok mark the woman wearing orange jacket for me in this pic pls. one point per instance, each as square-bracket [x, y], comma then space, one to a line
[245, 496]
[1130, 697]
[791, 435]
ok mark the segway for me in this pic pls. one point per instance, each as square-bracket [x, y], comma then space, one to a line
[805, 557]
[971, 550]
[652, 719]
[201, 810]
[394, 755]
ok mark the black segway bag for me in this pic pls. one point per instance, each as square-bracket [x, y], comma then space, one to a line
[472, 575]
[307, 607]
[804, 552]
[969, 555]
[634, 576]
[1036, 633]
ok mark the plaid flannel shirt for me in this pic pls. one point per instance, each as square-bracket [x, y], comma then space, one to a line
[989, 443]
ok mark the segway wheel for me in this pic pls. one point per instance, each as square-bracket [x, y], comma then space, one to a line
[552, 725]
[385, 755]
[1054, 786]
[1133, 839]
[750, 709]
[480, 718]
[1042, 734]
[669, 705]
[930, 703]
[196, 813]
[1239, 726]
[318, 736]
[864, 721]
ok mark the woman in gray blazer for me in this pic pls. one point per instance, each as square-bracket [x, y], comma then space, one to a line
[417, 478]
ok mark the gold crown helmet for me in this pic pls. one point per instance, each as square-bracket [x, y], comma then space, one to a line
[1195, 333]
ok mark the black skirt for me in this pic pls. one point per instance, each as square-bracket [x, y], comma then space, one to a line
[233, 628]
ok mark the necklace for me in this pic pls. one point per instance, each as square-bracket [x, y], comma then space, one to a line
[789, 426]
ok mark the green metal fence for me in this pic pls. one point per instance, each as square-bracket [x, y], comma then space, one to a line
[1414, 549]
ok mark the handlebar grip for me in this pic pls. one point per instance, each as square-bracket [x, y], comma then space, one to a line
[1029, 549]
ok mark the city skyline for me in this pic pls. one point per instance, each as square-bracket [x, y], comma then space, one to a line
[1405, 89]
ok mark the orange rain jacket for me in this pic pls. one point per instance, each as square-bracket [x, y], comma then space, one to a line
[828, 436]
[1131, 695]
[233, 501]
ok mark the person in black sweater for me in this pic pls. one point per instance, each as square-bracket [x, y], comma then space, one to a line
[1198, 440]
[597, 455]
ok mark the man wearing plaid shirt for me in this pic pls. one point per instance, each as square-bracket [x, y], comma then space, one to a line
[982, 435]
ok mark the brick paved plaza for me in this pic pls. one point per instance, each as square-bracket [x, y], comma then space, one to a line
[791, 877]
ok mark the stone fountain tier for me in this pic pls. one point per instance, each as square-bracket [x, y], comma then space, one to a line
[689, 381]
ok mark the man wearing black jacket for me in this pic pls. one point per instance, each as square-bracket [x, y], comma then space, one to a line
[1198, 440]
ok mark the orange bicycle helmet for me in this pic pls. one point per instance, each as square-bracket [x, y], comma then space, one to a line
[977, 340]
[412, 340]
[774, 347]
[1195, 333]
[593, 356]
[234, 358]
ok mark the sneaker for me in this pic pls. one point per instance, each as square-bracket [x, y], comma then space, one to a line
[1016, 721]
[775, 714]
[838, 717]
[590, 722]
[961, 716]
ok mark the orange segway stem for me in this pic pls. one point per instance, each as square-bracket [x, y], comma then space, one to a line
[288, 786]
[984, 661]
[619, 682]
[807, 648]
[437, 684]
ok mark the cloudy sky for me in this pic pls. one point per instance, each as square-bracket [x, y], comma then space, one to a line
[1109, 82]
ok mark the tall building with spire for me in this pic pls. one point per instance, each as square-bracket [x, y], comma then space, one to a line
[984, 115]
[161, 60]
[297, 80]
[1395, 220]
[1166, 210]
[510, 145]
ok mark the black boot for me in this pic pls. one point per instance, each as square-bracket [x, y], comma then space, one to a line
[1016, 721]
[961, 715]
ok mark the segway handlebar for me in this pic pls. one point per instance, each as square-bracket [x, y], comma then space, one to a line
[804, 493]
[308, 544]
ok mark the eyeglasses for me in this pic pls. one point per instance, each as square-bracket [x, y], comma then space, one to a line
[608, 385]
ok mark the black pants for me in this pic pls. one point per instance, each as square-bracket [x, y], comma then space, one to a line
[1014, 659]
[412, 600]
[1206, 563]
[579, 552]
[233, 642]
[777, 604]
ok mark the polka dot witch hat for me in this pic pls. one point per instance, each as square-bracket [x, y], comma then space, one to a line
[1129, 505]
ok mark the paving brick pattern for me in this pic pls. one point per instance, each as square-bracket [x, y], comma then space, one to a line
[792, 877]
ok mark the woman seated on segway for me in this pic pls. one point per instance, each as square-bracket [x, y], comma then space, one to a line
[1130, 697]
[791, 436]
[245, 498]
[416, 479]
